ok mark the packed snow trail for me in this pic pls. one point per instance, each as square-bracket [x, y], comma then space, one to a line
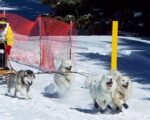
[77, 105]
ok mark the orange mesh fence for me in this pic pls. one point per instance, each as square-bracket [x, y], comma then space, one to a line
[26, 50]
[53, 47]
[41, 42]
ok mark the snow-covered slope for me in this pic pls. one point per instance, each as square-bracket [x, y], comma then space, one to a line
[77, 105]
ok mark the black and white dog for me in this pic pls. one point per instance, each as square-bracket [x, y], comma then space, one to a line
[21, 81]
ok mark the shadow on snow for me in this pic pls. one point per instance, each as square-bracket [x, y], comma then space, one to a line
[136, 65]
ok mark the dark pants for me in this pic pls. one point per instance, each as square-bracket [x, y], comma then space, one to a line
[2, 56]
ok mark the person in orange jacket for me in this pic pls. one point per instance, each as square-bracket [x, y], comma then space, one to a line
[6, 41]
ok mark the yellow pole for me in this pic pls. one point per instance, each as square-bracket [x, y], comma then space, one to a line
[114, 45]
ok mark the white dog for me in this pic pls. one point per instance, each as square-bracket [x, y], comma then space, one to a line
[102, 90]
[63, 78]
[123, 92]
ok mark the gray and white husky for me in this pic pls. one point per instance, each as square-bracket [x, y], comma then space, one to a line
[21, 81]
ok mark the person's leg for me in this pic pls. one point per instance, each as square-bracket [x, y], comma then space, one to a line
[6, 62]
[2, 55]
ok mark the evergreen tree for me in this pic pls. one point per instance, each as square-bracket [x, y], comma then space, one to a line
[96, 16]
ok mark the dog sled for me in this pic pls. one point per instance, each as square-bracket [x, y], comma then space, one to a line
[4, 72]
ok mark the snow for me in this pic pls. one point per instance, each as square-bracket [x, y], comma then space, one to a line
[77, 104]
[137, 39]
[7, 8]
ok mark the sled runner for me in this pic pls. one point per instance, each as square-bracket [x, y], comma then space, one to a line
[4, 72]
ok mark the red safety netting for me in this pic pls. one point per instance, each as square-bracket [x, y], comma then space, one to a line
[40, 43]
[19, 24]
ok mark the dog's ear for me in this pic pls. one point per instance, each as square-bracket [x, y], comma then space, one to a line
[128, 79]
[119, 77]
[21, 74]
[116, 77]
[25, 73]
[29, 71]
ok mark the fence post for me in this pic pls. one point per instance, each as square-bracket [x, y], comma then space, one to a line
[40, 34]
[70, 39]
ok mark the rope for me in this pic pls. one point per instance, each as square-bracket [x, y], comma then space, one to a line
[63, 73]
[83, 74]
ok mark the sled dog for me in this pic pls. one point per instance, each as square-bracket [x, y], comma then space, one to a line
[102, 91]
[63, 78]
[21, 81]
[123, 92]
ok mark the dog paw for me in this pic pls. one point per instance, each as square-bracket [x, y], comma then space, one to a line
[7, 94]
[103, 111]
[125, 106]
[14, 96]
[118, 110]
[109, 107]
[24, 98]
[96, 105]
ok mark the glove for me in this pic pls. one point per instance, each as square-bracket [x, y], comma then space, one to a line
[8, 48]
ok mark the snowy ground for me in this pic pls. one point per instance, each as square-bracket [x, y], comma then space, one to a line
[77, 105]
